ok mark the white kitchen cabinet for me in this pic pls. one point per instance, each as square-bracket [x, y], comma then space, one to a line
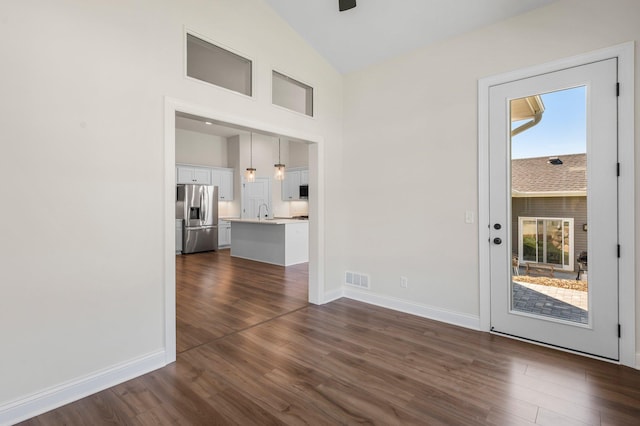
[193, 175]
[223, 179]
[293, 178]
[291, 185]
[304, 177]
[224, 233]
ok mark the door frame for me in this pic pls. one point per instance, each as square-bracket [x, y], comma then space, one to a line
[243, 191]
[316, 204]
[625, 53]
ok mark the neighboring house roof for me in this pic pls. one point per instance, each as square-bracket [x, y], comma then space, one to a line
[537, 177]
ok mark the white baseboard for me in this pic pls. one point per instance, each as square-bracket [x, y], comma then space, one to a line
[333, 295]
[73, 390]
[638, 361]
[425, 311]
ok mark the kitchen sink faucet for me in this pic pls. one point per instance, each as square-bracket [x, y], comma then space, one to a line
[266, 210]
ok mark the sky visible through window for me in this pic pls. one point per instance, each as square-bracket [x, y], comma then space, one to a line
[562, 130]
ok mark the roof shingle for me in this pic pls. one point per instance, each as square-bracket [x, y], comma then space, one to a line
[536, 175]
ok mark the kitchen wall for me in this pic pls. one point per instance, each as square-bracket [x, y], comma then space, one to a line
[200, 148]
[82, 121]
[297, 155]
[411, 154]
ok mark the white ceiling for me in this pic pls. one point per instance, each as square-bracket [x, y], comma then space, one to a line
[376, 30]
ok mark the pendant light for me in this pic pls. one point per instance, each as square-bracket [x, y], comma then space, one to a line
[250, 174]
[279, 168]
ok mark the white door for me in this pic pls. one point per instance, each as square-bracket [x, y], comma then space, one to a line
[256, 198]
[562, 311]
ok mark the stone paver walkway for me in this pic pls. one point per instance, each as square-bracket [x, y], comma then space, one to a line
[560, 303]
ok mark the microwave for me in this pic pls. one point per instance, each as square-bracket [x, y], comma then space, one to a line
[304, 192]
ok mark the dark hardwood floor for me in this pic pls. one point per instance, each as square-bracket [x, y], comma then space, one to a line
[253, 352]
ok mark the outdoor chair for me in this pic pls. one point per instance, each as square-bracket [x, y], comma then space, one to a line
[582, 264]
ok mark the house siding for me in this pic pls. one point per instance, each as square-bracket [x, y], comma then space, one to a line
[566, 207]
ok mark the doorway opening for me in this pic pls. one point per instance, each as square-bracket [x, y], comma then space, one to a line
[314, 148]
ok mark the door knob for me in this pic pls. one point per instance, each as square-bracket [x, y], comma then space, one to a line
[497, 226]
[497, 240]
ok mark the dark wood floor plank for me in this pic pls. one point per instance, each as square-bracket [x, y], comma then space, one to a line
[251, 350]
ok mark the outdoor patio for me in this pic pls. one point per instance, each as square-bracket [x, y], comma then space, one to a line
[555, 302]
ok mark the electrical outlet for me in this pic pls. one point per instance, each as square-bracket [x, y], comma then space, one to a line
[404, 283]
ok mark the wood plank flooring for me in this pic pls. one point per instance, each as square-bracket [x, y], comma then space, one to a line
[253, 352]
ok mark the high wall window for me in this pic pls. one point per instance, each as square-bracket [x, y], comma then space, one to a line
[546, 240]
[291, 94]
[213, 64]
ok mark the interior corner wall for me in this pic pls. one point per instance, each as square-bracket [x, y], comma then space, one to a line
[411, 149]
[83, 163]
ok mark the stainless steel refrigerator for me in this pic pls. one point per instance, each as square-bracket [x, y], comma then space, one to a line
[197, 205]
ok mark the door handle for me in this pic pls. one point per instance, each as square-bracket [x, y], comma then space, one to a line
[497, 240]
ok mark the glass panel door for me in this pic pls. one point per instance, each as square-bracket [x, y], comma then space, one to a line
[553, 208]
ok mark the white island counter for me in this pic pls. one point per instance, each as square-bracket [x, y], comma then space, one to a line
[282, 242]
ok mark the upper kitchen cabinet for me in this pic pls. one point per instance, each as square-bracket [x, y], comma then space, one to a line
[193, 175]
[293, 180]
[223, 179]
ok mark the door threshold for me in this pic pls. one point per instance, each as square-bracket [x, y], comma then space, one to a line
[558, 348]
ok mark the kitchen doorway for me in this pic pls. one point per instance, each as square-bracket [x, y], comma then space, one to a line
[316, 202]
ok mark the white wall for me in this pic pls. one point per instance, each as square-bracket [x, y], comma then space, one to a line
[81, 124]
[298, 155]
[200, 148]
[410, 150]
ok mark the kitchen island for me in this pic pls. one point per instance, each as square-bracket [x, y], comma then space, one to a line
[282, 242]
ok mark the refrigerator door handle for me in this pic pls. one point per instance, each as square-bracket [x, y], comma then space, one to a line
[202, 207]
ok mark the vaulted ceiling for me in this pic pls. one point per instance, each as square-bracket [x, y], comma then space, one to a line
[376, 30]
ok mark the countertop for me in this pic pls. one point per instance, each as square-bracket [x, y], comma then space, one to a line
[275, 221]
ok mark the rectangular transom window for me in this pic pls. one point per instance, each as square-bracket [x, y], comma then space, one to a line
[292, 94]
[212, 64]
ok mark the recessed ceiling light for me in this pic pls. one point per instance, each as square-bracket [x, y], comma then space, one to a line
[208, 123]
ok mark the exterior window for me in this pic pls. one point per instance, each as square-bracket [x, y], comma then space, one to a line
[212, 64]
[546, 240]
[291, 94]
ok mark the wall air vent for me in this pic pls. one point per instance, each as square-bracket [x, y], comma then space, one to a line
[357, 279]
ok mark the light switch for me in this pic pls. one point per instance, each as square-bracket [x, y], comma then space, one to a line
[468, 216]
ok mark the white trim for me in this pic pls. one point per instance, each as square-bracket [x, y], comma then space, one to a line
[333, 295]
[637, 366]
[517, 194]
[625, 53]
[626, 200]
[59, 395]
[316, 205]
[418, 309]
